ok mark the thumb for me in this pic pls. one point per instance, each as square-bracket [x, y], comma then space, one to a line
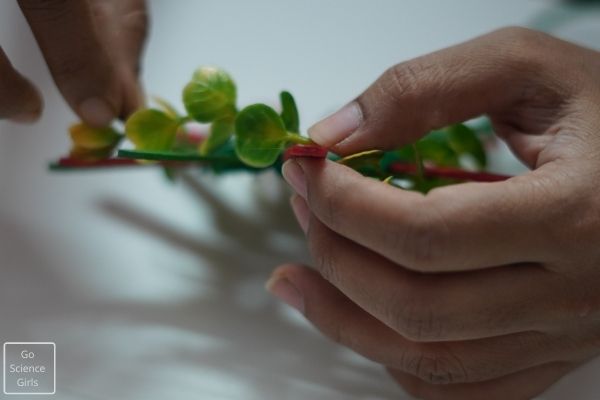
[452, 85]
[20, 101]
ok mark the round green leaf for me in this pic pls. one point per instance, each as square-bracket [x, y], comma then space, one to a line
[210, 95]
[464, 140]
[81, 153]
[289, 112]
[86, 137]
[435, 148]
[166, 107]
[260, 135]
[151, 130]
[220, 132]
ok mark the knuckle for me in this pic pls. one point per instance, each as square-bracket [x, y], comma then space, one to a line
[136, 22]
[333, 328]
[321, 249]
[422, 242]
[417, 320]
[75, 71]
[437, 367]
[515, 33]
[417, 324]
[524, 47]
[400, 85]
[337, 334]
[417, 246]
[523, 40]
[66, 67]
[332, 203]
[577, 298]
[399, 81]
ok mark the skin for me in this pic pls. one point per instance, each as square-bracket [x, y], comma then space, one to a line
[92, 48]
[477, 290]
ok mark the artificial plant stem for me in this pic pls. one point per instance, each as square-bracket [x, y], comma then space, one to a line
[291, 137]
[418, 162]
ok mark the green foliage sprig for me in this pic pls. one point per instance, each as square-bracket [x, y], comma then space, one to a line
[257, 136]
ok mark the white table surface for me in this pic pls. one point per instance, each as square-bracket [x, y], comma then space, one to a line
[155, 291]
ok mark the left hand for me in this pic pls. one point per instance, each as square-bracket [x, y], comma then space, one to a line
[92, 49]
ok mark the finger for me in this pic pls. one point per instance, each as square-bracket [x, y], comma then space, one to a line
[19, 99]
[522, 385]
[134, 28]
[80, 66]
[123, 28]
[480, 76]
[338, 318]
[458, 227]
[439, 307]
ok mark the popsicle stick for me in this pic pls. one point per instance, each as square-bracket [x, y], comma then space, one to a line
[128, 158]
[67, 163]
[447, 172]
[305, 150]
[73, 163]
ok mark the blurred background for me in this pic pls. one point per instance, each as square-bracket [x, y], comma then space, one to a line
[154, 290]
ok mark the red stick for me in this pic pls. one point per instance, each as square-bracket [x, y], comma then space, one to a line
[316, 151]
[305, 150]
[312, 151]
[193, 138]
[113, 162]
[108, 162]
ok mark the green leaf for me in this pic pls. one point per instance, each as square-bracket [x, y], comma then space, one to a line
[436, 148]
[151, 130]
[166, 107]
[289, 112]
[84, 154]
[404, 154]
[210, 95]
[368, 163]
[220, 132]
[464, 140]
[86, 137]
[260, 135]
[170, 174]
[427, 184]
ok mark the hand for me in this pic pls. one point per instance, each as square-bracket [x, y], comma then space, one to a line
[477, 290]
[92, 48]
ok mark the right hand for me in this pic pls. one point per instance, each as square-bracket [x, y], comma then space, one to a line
[92, 48]
[475, 290]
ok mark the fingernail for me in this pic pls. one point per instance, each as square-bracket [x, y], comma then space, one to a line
[285, 291]
[26, 117]
[338, 126]
[294, 175]
[96, 112]
[301, 211]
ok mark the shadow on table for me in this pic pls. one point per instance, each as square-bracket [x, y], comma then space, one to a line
[255, 347]
[234, 342]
